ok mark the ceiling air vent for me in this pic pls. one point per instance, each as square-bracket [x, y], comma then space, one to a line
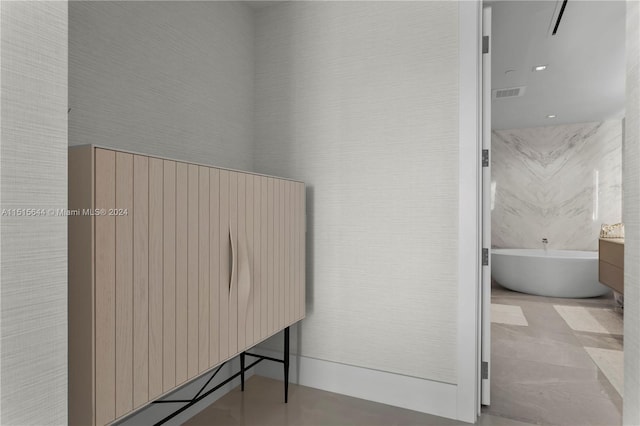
[510, 92]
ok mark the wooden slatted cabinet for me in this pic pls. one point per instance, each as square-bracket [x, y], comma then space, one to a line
[174, 268]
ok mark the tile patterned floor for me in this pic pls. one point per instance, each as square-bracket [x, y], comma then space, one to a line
[564, 368]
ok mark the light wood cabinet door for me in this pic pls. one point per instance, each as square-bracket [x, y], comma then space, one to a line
[188, 266]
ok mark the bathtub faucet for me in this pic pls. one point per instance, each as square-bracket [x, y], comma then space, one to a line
[544, 244]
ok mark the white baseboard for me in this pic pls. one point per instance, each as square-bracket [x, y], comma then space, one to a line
[412, 393]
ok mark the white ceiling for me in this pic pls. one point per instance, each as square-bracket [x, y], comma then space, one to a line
[585, 76]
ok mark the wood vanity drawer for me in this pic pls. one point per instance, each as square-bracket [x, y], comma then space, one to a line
[611, 264]
[611, 276]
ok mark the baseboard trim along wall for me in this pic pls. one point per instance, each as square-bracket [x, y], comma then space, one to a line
[412, 393]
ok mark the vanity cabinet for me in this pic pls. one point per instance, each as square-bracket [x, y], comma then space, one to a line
[611, 263]
[174, 268]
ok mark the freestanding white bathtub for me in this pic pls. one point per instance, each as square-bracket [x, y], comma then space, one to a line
[555, 273]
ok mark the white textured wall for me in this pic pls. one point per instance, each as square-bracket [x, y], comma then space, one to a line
[167, 78]
[631, 415]
[558, 182]
[33, 250]
[360, 100]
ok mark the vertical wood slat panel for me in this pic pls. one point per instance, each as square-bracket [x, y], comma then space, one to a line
[284, 249]
[156, 183]
[294, 248]
[225, 254]
[240, 249]
[249, 339]
[277, 257]
[299, 251]
[296, 251]
[214, 262]
[124, 283]
[279, 265]
[203, 266]
[241, 241]
[270, 260]
[81, 292]
[233, 294]
[181, 272]
[264, 257]
[169, 276]
[290, 249]
[257, 280]
[105, 278]
[283, 260]
[294, 284]
[303, 249]
[287, 257]
[192, 272]
[284, 297]
[140, 280]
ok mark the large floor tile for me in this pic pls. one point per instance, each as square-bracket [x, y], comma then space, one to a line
[507, 314]
[611, 363]
[610, 319]
[553, 404]
[593, 320]
[603, 341]
[528, 348]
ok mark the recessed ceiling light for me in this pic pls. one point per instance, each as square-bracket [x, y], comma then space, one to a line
[551, 116]
[540, 68]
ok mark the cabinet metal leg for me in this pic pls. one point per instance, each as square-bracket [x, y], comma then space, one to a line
[286, 365]
[242, 371]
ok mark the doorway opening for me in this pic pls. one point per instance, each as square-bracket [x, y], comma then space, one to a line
[552, 333]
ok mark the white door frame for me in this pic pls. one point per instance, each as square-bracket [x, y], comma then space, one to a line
[485, 391]
[469, 207]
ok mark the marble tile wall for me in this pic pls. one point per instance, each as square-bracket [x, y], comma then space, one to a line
[558, 182]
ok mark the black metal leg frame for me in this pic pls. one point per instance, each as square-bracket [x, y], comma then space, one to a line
[201, 394]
